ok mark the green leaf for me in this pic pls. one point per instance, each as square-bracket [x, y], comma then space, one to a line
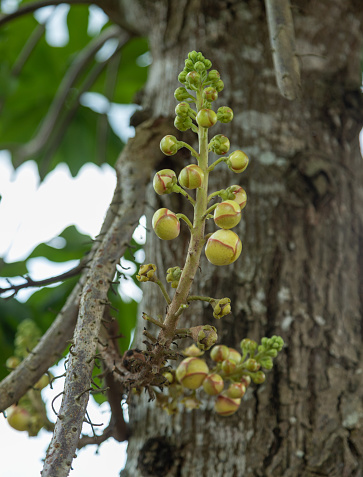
[15, 269]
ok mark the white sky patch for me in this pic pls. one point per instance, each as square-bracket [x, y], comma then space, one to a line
[119, 118]
[55, 19]
[96, 20]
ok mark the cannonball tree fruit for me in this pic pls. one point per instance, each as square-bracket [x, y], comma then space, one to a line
[166, 224]
[223, 247]
[227, 214]
[191, 372]
[191, 177]
[163, 181]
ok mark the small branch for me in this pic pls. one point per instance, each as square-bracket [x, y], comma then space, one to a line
[186, 220]
[153, 320]
[212, 166]
[163, 291]
[191, 149]
[282, 40]
[180, 190]
[46, 281]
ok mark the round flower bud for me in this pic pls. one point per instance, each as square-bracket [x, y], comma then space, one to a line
[193, 351]
[166, 224]
[199, 66]
[168, 376]
[227, 214]
[169, 145]
[207, 64]
[183, 124]
[189, 64]
[204, 335]
[214, 75]
[248, 346]
[220, 144]
[182, 77]
[229, 366]
[181, 93]
[43, 382]
[223, 247]
[182, 109]
[259, 377]
[235, 355]
[191, 177]
[18, 418]
[246, 380]
[226, 406]
[219, 86]
[191, 372]
[193, 78]
[240, 195]
[252, 365]
[222, 308]
[163, 181]
[236, 390]
[237, 161]
[219, 353]
[206, 118]
[12, 362]
[210, 94]
[213, 384]
[192, 55]
[224, 114]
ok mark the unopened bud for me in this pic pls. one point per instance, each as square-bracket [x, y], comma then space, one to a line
[173, 276]
[220, 144]
[146, 272]
[214, 75]
[259, 377]
[237, 161]
[19, 418]
[181, 94]
[219, 353]
[252, 365]
[191, 177]
[235, 355]
[182, 109]
[199, 66]
[206, 118]
[224, 114]
[204, 335]
[223, 247]
[164, 181]
[226, 406]
[219, 86]
[191, 372]
[169, 145]
[227, 214]
[222, 308]
[239, 195]
[166, 224]
[182, 77]
[193, 351]
[213, 384]
[210, 94]
[229, 366]
[183, 124]
[236, 390]
[193, 78]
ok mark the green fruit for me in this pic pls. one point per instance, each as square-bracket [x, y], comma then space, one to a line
[18, 418]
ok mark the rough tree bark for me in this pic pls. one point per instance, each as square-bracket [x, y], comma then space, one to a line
[301, 270]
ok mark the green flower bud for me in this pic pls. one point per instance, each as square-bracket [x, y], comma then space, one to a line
[220, 144]
[183, 124]
[166, 224]
[219, 86]
[169, 145]
[237, 161]
[229, 366]
[181, 94]
[191, 177]
[226, 406]
[266, 362]
[219, 353]
[163, 181]
[12, 362]
[213, 384]
[227, 214]
[193, 78]
[173, 276]
[246, 380]
[182, 109]
[206, 118]
[224, 114]
[239, 195]
[210, 94]
[146, 272]
[259, 377]
[192, 351]
[191, 372]
[19, 418]
[207, 64]
[236, 390]
[214, 75]
[235, 355]
[222, 308]
[192, 55]
[252, 365]
[205, 336]
[223, 247]
[199, 66]
[248, 346]
[189, 64]
[182, 77]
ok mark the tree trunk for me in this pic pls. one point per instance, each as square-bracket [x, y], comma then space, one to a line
[300, 274]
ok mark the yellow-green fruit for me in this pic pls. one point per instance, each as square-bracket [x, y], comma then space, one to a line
[206, 118]
[237, 161]
[223, 247]
[219, 353]
[191, 372]
[18, 418]
[240, 196]
[166, 224]
[164, 181]
[226, 406]
[235, 355]
[213, 384]
[227, 214]
[191, 177]
[236, 390]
